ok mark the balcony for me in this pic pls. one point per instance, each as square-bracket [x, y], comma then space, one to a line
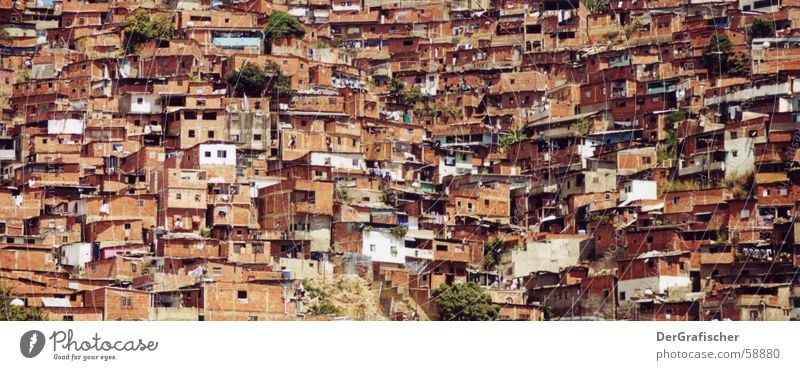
[304, 207]
[457, 253]
[426, 254]
[716, 258]
[699, 168]
[7, 155]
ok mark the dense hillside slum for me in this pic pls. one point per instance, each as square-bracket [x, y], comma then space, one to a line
[219, 160]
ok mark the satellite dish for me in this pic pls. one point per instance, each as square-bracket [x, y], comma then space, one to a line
[17, 302]
[766, 44]
[648, 292]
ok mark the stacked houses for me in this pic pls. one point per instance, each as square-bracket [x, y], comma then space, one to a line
[183, 160]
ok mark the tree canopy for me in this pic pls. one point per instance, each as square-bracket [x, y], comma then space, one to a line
[596, 6]
[283, 83]
[413, 96]
[281, 24]
[717, 54]
[396, 85]
[141, 27]
[250, 79]
[465, 302]
[512, 137]
[17, 313]
[762, 28]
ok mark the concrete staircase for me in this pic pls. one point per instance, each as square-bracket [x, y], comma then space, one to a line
[393, 292]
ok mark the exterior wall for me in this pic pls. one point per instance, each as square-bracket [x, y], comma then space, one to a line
[387, 247]
[658, 284]
[24, 258]
[548, 255]
[76, 254]
[120, 304]
[221, 301]
[639, 189]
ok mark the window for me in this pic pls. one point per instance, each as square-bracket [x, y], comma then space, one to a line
[394, 250]
[252, 318]
[222, 154]
[211, 134]
[178, 196]
[69, 318]
[486, 202]
[133, 267]
[734, 135]
[622, 296]
[649, 240]
[127, 301]
[139, 100]
[735, 153]
[372, 248]
[257, 137]
[765, 192]
[140, 203]
[207, 154]
[216, 271]
[675, 200]
[241, 294]
[191, 133]
[783, 191]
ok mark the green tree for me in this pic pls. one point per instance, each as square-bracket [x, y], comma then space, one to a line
[596, 6]
[250, 79]
[396, 85]
[762, 28]
[739, 65]
[17, 313]
[491, 252]
[141, 27]
[281, 24]
[283, 83]
[453, 112]
[675, 116]
[583, 127]
[512, 137]
[633, 27]
[413, 96]
[464, 302]
[717, 54]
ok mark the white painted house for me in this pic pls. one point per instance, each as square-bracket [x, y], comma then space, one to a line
[634, 190]
[383, 246]
[76, 254]
[217, 154]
